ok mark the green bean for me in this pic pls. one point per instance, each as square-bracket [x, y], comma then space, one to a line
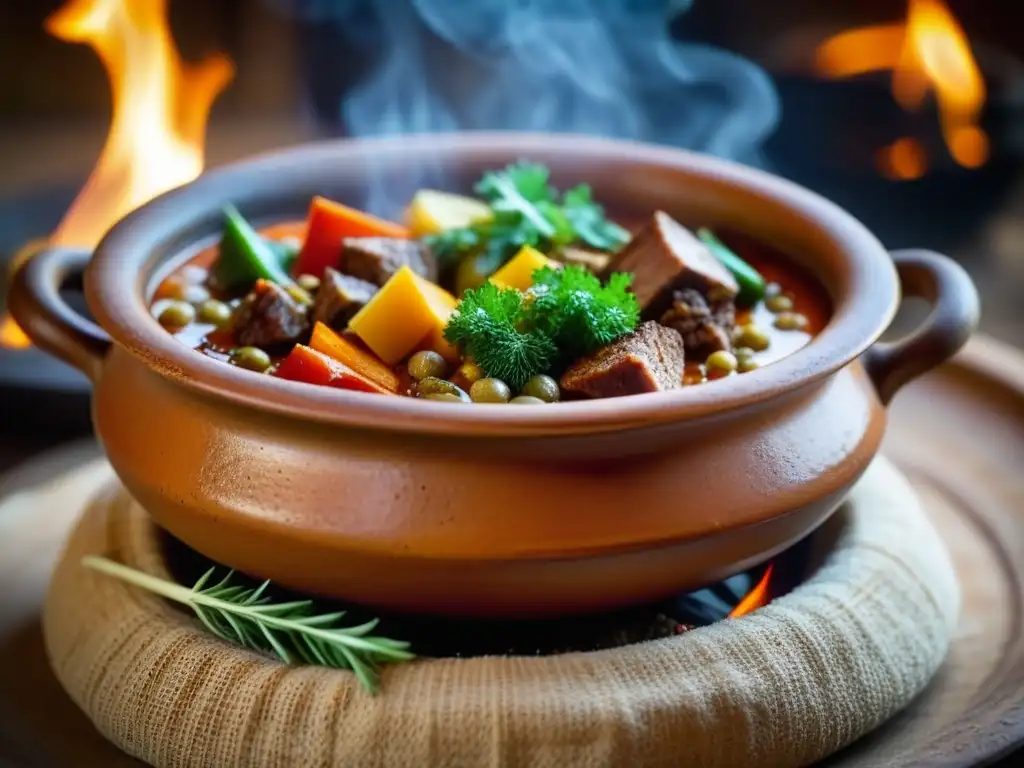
[490, 391]
[251, 358]
[543, 388]
[215, 312]
[427, 363]
[177, 315]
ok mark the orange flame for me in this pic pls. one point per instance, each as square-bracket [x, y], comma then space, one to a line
[11, 335]
[159, 115]
[928, 52]
[755, 598]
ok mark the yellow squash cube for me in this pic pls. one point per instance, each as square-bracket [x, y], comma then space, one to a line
[518, 271]
[407, 310]
[432, 211]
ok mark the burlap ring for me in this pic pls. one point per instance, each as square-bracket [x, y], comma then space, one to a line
[785, 686]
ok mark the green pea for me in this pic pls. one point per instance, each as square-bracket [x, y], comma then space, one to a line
[427, 363]
[791, 321]
[747, 364]
[251, 358]
[445, 397]
[526, 400]
[742, 352]
[751, 336]
[489, 391]
[543, 388]
[720, 363]
[215, 312]
[779, 303]
[432, 385]
[177, 314]
[308, 282]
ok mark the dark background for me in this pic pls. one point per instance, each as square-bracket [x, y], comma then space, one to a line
[291, 77]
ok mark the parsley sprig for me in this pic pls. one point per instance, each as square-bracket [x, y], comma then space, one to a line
[567, 313]
[527, 210]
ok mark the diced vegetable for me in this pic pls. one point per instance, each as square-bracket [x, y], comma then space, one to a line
[432, 211]
[364, 363]
[245, 256]
[312, 367]
[328, 222]
[752, 285]
[406, 310]
[527, 210]
[518, 272]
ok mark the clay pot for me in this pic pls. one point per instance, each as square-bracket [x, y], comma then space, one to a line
[435, 507]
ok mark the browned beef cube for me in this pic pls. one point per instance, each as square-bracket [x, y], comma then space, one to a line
[339, 297]
[705, 328]
[650, 359]
[593, 260]
[375, 259]
[268, 317]
[665, 256]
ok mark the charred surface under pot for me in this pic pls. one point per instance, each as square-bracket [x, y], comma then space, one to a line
[454, 637]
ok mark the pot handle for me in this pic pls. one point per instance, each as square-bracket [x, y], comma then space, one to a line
[37, 306]
[953, 318]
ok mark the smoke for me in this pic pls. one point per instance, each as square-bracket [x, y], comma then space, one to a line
[602, 67]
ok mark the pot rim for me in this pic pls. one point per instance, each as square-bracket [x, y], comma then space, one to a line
[117, 279]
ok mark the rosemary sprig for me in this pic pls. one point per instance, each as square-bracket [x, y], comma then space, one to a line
[291, 630]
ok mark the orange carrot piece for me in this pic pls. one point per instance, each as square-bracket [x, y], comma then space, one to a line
[312, 367]
[328, 222]
[363, 362]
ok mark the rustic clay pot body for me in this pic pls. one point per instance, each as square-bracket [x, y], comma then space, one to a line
[490, 510]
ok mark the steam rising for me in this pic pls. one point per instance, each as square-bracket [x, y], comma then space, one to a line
[602, 67]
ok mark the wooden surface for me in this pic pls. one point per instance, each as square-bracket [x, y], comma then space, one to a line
[959, 435]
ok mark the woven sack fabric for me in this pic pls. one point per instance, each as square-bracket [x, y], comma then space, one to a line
[785, 686]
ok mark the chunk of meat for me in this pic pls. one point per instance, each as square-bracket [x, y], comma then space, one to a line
[339, 297]
[705, 328]
[664, 257]
[376, 259]
[268, 317]
[595, 261]
[651, 359]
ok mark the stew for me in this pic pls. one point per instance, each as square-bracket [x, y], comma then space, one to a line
[523, 295]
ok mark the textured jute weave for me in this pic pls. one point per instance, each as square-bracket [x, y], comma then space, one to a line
[785, 686]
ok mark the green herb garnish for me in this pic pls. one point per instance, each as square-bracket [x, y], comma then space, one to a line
[290, 630]
[567, 313]
[490, 325]
[527, 211]
[579, 313]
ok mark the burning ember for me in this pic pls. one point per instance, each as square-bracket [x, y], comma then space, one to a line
[928, 52]
[756, 598]
[160, 109]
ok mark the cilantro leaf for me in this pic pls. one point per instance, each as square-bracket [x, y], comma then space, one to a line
[527, 211]
[588, 220]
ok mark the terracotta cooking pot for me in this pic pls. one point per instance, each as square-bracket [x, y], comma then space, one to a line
[493, 511]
